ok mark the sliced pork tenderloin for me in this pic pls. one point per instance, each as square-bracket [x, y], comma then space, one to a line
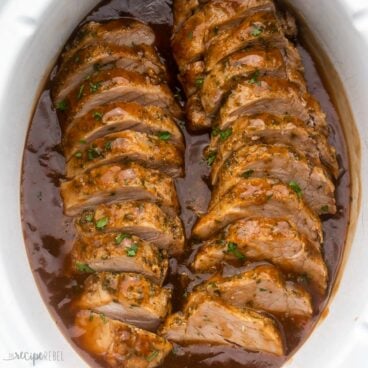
[118, 343]
[209, 320]
[271, 129]
[264, 239]
[118, 182]
[143, 219]
[263, 288]
[129, 297]
[148, 150]
[118, 116]
[119, 252]
[256, 197]
[120, 32]
[284, 163]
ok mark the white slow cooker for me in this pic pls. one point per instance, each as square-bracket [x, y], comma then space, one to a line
[31, 36]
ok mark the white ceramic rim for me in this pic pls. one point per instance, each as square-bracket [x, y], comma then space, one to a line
[36, 30]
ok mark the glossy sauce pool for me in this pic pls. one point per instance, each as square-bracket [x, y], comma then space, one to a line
[49, 234]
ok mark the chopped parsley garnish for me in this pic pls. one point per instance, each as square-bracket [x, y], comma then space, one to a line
[199, 81]
[82, 141]
[225, 134]
[164, 136]
[296, 188]
[83, 267]
[78, 154]
[62, 105]
[211, 158]
[132, 250]
[152, 356]
[215, 132]
[80, 92]
[107, 146]
[256, 31]
[120, 237]
[324, 209]
[101, 223]
[97, 115]
[190, 35]
[254, 77]
[103, 317]
[93, 153]
[233, 249]
[248, 173]
[94, 87]
[88, 217]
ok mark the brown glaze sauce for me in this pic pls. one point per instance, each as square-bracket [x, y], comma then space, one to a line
[49, 234]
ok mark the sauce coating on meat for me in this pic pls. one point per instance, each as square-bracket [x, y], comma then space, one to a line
[49, 234]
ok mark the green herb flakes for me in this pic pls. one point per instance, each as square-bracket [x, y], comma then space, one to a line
[232, 248]
[215, 132]
[88, 217]
[93, 153]
[225, 134]
[132, 250]
[256, 31]
[80, 92]
[254, 78]
[247, 174]
[94, 87]
[62, 105]
[324, 209]
[152, 356]
[211, 158]
[199, 81]
[97, 115]
[296, 188]
[101, 223]
[83, 267]
[164, 136]
[120, 237]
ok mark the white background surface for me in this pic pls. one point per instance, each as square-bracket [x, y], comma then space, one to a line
[31, 34]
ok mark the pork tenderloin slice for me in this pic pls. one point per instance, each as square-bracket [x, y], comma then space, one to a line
[183, 9]
[265, 239]
[118, 116]
[118, 182]
[129, 297]
[259, 28]
[120, 32]
[197, 119]
[192, 77]
[209, 320]
[271, 129]
[275, 96]
[263, 288]
[120, 344]
[284, 163]
[119, 252]
[148, 150]
[143, 219]
[119, 85]
[189, 42]
[250, 63]
[256, 197]
[138, 58]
